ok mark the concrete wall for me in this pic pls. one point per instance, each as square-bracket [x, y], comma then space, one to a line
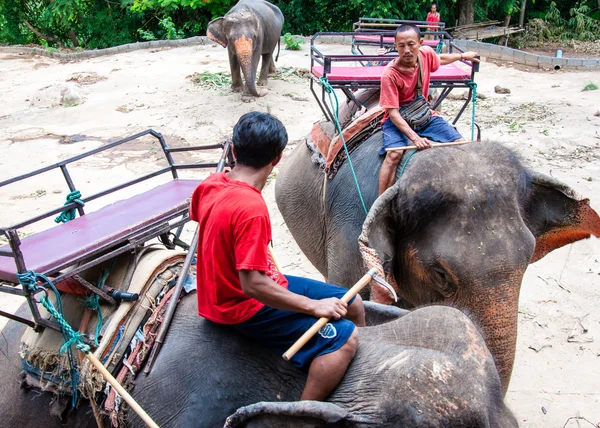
[485, 49]
[508, 54]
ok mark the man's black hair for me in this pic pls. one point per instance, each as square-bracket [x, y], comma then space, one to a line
[407, 27]
[258, 138]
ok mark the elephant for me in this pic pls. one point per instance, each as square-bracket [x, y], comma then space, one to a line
[459, 226]
[429, 367]
[251, 29]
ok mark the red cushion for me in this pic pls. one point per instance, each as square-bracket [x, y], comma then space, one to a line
[356, 74]
[49, 249]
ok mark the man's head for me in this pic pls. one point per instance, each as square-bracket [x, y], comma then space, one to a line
[408, 42]
[258, 140]
[433, 7]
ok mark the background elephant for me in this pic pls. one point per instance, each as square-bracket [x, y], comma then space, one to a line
[251, 29]
[459, 227]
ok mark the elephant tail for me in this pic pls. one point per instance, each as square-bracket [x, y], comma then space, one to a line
[278, 48]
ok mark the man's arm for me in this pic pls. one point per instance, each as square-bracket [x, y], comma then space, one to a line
[261, 287]
[450, 58]
[398, 120]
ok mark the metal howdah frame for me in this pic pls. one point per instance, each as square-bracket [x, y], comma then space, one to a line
[348, 87]
[157, 228]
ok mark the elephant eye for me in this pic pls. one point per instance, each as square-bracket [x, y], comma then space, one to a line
[444, 282]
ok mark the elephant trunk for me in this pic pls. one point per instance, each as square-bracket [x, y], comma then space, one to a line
[496, 308]
[243, 49]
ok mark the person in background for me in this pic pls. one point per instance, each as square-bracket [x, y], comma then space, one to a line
[433, 16]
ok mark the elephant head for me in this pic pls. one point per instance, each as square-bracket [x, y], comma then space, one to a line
[465, 236]
[239, 32]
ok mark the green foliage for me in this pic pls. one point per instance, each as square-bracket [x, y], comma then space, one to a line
[292, 43]
[590, 87]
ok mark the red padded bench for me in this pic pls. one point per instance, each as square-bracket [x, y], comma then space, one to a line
[450, 72]
[390, 40]
[51, 249]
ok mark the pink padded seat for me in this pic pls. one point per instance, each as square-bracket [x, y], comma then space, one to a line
[357, 74]
[51, 248]
[390, 40]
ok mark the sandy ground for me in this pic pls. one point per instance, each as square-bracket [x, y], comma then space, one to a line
[546, 119]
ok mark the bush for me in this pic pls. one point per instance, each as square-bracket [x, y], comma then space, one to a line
[292, 43]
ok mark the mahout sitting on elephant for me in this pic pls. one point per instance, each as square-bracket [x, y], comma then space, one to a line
[250, 30]
[459, 227]
[429, 367]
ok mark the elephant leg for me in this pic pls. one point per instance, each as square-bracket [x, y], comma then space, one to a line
[237, 85]
[264, 69]
[272, 68]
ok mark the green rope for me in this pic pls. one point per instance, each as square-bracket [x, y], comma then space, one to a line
[407, 157]
[68, 215]
[30, 279]
[325, 82]
[93, 302]
[473, 86]
[440, 47]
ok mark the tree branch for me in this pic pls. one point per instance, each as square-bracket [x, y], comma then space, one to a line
[42, 36]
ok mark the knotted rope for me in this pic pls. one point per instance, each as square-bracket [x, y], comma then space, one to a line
[329, 90]
[473, 87]
[30, 279]
[68, 215]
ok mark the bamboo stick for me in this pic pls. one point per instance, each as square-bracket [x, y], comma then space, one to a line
[121, 391]
[435, 145]
[322, 321]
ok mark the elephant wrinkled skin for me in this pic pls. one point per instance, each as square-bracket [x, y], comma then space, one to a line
[459, 227]
[426, 368]
[250, 30]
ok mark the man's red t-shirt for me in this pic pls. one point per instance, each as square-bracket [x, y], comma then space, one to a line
[398, 87]
[235, 231]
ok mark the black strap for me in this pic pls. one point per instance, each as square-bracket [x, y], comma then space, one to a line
[420, 78]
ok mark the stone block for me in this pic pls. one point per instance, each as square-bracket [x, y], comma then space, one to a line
[589, 63]
[495, 48]
[545, 60]
[519, 57]
[573, 62]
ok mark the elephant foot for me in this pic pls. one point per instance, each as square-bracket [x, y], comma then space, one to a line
[262, 82]
[237, 88]
[247, 98]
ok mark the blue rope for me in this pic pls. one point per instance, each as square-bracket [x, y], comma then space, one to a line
[473, 86]
[68, 215]
[325, 82]
[440, 47]
[30, 279]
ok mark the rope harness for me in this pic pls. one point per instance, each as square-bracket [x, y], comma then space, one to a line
[30, 280]
[335, 107]
[70, 214]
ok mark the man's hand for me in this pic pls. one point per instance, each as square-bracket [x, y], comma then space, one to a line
[470, 56]
[330, 308]
[421, 143]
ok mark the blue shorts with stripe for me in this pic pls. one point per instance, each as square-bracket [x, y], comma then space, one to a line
[436, 130]
[279, 329]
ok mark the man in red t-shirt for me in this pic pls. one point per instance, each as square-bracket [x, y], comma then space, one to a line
[237, 281]
[398, 89]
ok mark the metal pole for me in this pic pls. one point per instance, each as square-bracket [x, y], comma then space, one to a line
[164, 327]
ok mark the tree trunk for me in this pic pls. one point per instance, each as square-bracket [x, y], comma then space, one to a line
[522, 14]
[466, 12]
[73, 38]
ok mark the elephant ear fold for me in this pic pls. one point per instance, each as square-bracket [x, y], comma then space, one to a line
[216, 33]
[376, 244]
[292, 414]
[557, 216]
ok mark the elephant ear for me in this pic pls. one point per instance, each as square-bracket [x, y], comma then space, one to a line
[216, 33]
[292, 414]
[376, 244]
[557, 216]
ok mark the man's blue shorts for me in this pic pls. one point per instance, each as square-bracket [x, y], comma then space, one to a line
[278, 329]
[437, 129]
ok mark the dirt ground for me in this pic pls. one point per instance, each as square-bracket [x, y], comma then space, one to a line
[547, 119]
